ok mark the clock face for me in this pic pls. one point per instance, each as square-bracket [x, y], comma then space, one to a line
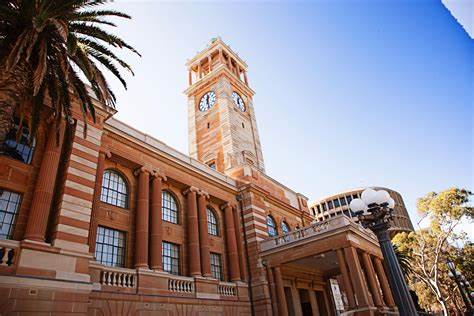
[239, 103]
[207, 101]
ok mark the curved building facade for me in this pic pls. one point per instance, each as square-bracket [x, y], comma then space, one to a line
[338, 204]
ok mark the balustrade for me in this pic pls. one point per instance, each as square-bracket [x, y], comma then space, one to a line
[8, 252]
[118, 277]
[227, 289]
[180, 284]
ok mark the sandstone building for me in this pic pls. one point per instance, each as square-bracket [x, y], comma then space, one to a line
[115, 222]
[338, 204]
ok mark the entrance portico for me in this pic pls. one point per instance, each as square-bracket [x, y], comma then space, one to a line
[328, 268]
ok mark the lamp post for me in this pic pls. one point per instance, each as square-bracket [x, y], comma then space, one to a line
[374, 210]
[459, 279]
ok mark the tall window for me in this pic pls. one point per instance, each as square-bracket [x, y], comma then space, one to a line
[343, 201]
[170, 257]
[330, 205]
[211, 222]
[19, 148]
[114, 189]
[216, 266]
[9, 203]
[271, 226]
[110, 247]
[169, 208]
[336, 203]
[285, 229]
[349, 199]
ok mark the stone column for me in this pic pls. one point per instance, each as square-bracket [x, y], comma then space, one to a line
[295, 296]
[97, 192]
[282, 307]
[203, 234]
[273, 293]
[240, 250]
[156, 230]
[44, 189]
[209, 61]
[245, 78]
[193, 233]
[199, 70]
[190, 77]
[360, 289]
[370, 272]
[346, 278]
[314, 302]
[142, 219]
[231, 243]
[387, 293]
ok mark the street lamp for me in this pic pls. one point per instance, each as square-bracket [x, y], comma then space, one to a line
[462, 284]
[374, 210]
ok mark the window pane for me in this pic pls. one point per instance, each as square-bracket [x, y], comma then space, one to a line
[272, 230]
[169, 208]
[170, 257]
[211, 222]
[19, 148]
[9, 204]
[114, 189]
[216, 266]
[110, 247]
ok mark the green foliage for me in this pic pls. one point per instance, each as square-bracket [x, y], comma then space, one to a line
[428, 249]
[52, 45]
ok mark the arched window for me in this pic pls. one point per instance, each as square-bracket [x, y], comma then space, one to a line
[169, 208]
[17, 146]
[285, 229]
[114, 189]
[271, 226]
[211, 222]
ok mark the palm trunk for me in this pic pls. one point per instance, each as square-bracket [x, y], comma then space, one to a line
[12, 90]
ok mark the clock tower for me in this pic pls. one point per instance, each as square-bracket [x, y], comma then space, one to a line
[222, 128]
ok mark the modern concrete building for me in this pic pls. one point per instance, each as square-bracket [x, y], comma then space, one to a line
[338, 204]
[115, 222]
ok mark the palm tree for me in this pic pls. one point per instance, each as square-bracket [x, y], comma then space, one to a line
[404, 260]
[53, 49]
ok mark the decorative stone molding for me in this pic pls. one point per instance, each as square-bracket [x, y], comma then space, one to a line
[190, 189]
[140, 170]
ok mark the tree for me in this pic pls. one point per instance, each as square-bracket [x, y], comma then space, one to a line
[46, 48]
[429, 248]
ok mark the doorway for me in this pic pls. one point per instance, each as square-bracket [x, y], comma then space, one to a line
[305, 303]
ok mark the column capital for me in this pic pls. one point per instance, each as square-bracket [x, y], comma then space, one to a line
[141, 169]
[227, 204]
[204, 193]
[190, 189]
[106, 152]
[159, 175]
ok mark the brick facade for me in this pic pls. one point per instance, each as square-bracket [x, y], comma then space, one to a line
[114, 222]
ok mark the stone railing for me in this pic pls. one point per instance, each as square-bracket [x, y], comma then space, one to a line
[179, 284]
[312, 230]
[227, 289]
[8, 252]
[119, 277]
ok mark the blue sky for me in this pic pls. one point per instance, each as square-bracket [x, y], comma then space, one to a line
[348, 93]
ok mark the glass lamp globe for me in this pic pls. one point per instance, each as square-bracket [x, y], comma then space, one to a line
[357, 205]
[381, 197]
[368, 196]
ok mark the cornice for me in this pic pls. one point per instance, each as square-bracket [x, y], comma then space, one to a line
[216, 72]
[167, 154]
[211, 48]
